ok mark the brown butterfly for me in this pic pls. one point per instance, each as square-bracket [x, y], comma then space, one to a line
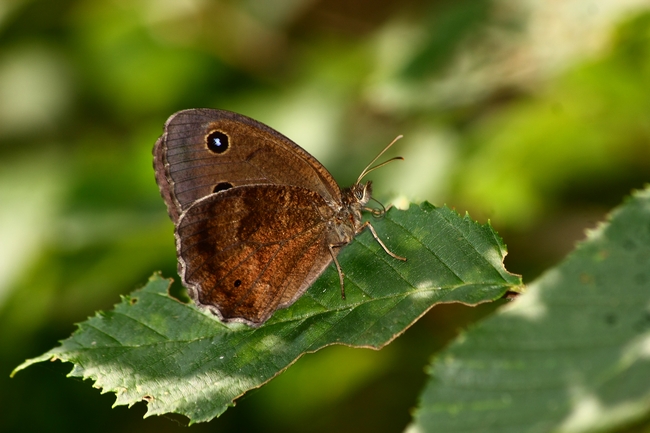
[257, 218]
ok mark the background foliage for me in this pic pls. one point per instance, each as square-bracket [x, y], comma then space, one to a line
[509, 110]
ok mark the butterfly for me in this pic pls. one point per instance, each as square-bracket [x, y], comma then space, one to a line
[257, 218]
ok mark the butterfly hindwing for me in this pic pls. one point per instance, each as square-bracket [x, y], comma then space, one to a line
[249, 250]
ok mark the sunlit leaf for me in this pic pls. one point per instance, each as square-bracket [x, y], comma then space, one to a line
[179, 359]
[570, 355]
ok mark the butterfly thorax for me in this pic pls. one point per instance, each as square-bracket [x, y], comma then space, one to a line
[347, 222]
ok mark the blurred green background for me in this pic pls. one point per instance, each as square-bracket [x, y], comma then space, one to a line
[534, 115]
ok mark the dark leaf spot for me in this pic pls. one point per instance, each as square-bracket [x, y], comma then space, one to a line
[643, 323]
[641, 279]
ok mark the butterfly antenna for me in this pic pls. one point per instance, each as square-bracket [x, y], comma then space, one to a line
[368, 168]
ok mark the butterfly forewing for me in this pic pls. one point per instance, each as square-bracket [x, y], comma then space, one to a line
[189, 166]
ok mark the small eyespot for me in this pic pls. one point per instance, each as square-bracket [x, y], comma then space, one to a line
[222, 186]
[217, 142]
[237, 283]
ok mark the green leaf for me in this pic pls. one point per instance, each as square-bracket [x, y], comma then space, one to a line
[572, 354]
[179, 359]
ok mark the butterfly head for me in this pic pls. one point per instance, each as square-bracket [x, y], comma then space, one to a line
[361, 193]
[356, 197]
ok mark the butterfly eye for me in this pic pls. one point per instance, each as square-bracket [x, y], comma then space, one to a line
[217, 142]
[357, 190]
[362, 192]
[222, 186]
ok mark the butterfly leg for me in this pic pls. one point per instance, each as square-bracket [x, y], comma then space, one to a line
[338, 268]
[374, 235]
[378, 213]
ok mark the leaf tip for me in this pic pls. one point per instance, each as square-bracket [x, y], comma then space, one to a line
[45, 357]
